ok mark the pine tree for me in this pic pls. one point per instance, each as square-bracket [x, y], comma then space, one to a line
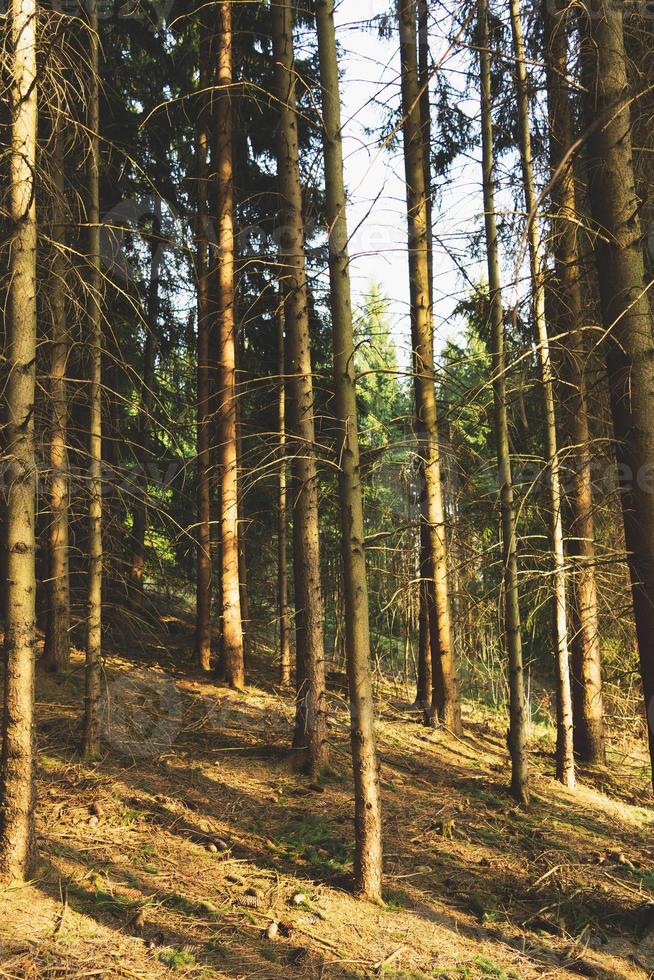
[17, 841]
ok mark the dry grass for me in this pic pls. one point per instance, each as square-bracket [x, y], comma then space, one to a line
[179, 861]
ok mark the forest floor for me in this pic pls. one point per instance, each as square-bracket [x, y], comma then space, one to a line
[192, 836]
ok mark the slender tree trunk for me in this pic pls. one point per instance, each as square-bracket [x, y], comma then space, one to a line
[57, 642]
[565, 766]
[232, 655]
[446, 706]
[368, 826]
[512, 623]
[91, 730]
[424, 685]
[17, 842]
[625, 308]
[586, 654]
[282, 562]
[425, 656]
[203, 568]
[143, 447]
[311, 720]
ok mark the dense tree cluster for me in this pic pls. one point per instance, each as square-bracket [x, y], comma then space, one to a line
[197, 411]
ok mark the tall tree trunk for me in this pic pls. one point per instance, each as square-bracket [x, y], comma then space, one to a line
[368, 826]
[232, 654]
[625, 308]
[282, 562]
[57, 642]
[512, 623]
[565, 766]
[311, 720]
[17, 841]
[446, 706]
[586, 654]
[203, 567]
[91, 730]
[425, 656]
[143, 447]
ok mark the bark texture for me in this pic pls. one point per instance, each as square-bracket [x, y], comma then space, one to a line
[311, 722]
[368, 826]
[282, 535]
[518, 732]
[565, 766]
[232, 653]
[446, 706]
[57, 641]
[203, 566]
[91, 729]
[625, 308]
[17, 840]
[587, 702]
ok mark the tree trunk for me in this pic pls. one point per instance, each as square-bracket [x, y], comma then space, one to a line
[282, 563]
[368, 827]
[586, 654]
[232, 654]
[446, 706]
[565, 767]
[425, 656]
[512, 622]
[311, 721]
[91, 731]
[57, 642]
[203, 567]
[143, 447]
[424, 685]
[625, 308]
[17, 840]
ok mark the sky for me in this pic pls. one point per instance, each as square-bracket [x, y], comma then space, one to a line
[375, 180]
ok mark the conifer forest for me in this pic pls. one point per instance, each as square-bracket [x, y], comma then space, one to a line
[327, 489]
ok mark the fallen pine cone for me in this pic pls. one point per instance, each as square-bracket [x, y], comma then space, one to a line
[249, 901]
[285, 929]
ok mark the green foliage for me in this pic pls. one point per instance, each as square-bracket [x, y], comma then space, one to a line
[174, 958]
[313, 840]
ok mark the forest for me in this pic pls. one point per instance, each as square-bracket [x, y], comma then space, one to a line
[327, 489]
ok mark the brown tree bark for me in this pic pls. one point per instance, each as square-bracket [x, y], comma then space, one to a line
[91, 728]
[57, 642]
[446, 705]
[203, 491]
[424, 696]
[512, 622]
[232, 663]
[311, 722]
[282, 561]
[587, 703]
[625, 307]
[143, 447]
[17, 842]
[367, 803]
[565, 767]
